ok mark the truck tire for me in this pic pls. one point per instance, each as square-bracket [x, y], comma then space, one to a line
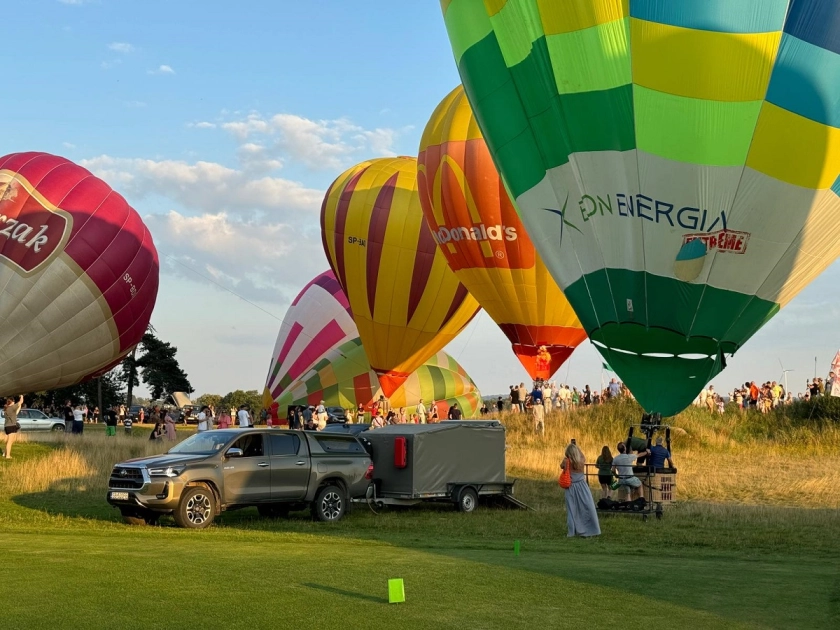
[139, 517]
[329, 505]
[273, 510]
[467, 500]
[197, 508]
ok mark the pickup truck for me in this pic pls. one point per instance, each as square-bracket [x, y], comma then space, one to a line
[275, 470]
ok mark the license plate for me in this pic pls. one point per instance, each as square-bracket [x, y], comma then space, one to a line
[119, 496]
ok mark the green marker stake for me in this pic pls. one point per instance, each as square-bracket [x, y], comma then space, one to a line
[396, 591]
[515, 547]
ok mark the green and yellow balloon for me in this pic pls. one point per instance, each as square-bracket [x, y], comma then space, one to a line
[675, 163]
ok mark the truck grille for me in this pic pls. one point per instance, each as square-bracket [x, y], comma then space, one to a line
[124, 477]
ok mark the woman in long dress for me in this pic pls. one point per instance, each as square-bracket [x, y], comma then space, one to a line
[581, 517]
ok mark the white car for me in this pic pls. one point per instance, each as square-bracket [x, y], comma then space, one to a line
[34, 420]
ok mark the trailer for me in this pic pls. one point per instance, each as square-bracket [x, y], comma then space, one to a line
[457, 462]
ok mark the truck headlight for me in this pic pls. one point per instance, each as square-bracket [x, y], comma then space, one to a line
[170, 471]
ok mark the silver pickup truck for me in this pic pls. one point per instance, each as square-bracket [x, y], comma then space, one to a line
[277, 471]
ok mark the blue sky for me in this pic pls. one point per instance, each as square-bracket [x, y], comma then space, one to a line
[224, 123]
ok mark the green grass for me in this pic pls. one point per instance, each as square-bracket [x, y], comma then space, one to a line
[67, 561]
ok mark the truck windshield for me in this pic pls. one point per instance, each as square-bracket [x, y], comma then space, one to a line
[208, 442]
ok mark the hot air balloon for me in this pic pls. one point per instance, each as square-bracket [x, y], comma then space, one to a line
[318, 320]
[78, 274]
[312, 361]
[476, 226]
[405, 300]
[676, 164]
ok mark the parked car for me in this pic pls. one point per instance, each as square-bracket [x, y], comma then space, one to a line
[34, 420]
[275, 470]
[134, 412]
[336, 415]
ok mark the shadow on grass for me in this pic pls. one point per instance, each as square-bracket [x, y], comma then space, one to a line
[345, 593]
[70, 498]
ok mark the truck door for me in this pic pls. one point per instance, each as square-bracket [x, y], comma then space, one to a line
[289, 466]
[248, 478]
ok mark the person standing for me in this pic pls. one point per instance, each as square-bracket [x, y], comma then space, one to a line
[141, 416]
[604, 465]
[523, 396]
[68, 418]
[581, 517]
[360, 413]
[169, 426]
[514, 398]
[78, 419]
[112, 416]
[500, 405]
[203, 423]
[434, 415]
[11, 426]
[127, 424]
[321, 415]
[244, 417]
[421, 411]
[122, 414]
[538, 410]
[454, 412]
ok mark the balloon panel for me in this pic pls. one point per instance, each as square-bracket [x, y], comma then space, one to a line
[78, 274]
[625, 131]
[476, 226]
[318, 319]
[405, 300]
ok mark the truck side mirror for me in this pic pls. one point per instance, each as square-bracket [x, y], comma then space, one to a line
[234, 452]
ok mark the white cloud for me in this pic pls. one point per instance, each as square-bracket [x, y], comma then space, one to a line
[112, 63]
[261, 260]
[121, 47]
[318, 144]
[202, 125]
[207, 186]
[162, 69]
[68, 145]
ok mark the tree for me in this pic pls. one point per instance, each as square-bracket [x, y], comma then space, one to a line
[236, 399]
[82, 393]
[160, 369]
[128, 375]
[209, 400]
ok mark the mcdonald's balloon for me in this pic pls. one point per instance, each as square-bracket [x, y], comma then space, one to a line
[78, 274]
[675, 163]
[476, 227]
[406, 302]
[319, 356]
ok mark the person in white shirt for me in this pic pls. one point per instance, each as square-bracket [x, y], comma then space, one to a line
[244, 417]
[205, 419]
[421, 411]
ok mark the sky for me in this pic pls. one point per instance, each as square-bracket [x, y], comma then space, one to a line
[224, 126]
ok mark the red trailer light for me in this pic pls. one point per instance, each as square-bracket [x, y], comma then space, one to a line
[400, 452]
[369, 473]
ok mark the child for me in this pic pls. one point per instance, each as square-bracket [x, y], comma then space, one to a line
[127, 423]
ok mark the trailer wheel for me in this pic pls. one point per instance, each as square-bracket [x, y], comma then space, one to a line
[467, 500]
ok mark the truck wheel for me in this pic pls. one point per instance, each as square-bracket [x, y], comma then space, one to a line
[139, 517]
[197, 508]
[273, 510]
[467, 500]
[329, 504]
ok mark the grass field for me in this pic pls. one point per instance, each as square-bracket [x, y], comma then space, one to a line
[762, 554]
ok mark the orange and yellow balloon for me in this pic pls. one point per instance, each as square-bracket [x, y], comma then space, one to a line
[406, 301]
[476, 226]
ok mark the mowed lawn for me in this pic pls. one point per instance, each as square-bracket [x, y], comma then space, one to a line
[67, 562]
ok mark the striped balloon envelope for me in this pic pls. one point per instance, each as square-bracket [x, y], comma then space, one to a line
[475, 225]
[318, 321]
[78, 274]
[675, 163]
[319, 356]
[406, 301]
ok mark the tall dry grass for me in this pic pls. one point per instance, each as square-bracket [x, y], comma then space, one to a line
[72, 463]
[730, 458]
[734, 457]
